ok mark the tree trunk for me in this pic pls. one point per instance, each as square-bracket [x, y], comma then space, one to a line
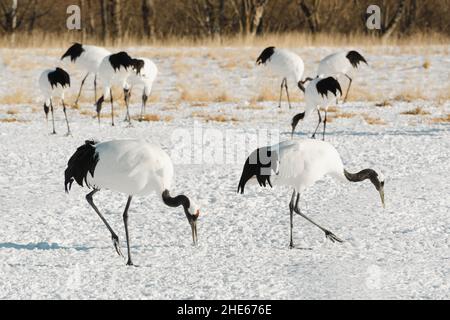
[104, 18]
[116, 21]
[259, 7]
[148, 18]
[390, 28]
[311, 15]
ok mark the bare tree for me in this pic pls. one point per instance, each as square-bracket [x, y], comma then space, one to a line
[148, 17]
[250, 14]
[390, 27]
[104, 19]
[115, 18]
[311, 12]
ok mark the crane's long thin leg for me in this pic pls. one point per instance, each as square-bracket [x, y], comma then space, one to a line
[53, 116]
[324, 125]
[115, 238]
[95, 88]
[144, 104]
[287, 92]
[348, 89]
[81, 88]
[281, 92]
[65, 115]
[320, 121]
[112, 107]
[125, 222]
[291, 210]
[127, 94]
[328, 233]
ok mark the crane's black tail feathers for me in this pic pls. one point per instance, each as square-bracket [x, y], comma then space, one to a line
[254, 166]
[84, 160]
[355, 58]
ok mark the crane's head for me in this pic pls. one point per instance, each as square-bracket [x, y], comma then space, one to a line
[295, 121]
[192, 212]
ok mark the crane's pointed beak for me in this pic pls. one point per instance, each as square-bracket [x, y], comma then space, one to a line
[193, 224]
[381, 191]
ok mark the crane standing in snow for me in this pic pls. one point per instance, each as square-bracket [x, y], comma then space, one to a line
[320, 92]
[132, 167]
[52, 83]
[340, 63]
[283, 63]
[117, 68]
[299, 164]
[87, 58]
[145, 78]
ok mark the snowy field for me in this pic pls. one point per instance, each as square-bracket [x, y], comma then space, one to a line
[53, 245]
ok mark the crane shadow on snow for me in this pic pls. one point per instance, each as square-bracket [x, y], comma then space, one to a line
[39, 246]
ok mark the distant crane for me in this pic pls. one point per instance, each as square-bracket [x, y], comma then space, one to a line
[117, 68]
[52, 83]
[88, 59]
[340, 63]
[299, 164]
[132, 167]
[285, 64]
[145, 78]
[320, 92]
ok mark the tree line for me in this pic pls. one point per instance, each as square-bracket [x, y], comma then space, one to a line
[157, 19]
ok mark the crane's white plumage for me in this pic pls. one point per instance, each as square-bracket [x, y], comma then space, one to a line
[340, 63]
[139, 167]
[88, 58]
[144, 79]
[52, 83]
[117, 69]
[132, 167]
[299, 164]
[319, 93]
[285, 64]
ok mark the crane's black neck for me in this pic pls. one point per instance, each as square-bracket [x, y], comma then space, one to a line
[177, 201]
[364, 175]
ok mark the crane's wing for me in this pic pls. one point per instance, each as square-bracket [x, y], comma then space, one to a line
[262, 163]
[355, 58]
[328, 84]
[59, 76]
[291, 160]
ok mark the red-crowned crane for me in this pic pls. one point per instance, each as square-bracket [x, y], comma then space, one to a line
[285, 64]
[131, 167]
[117, 68]
[320, 92]
[145, 78]
[340, 63]
[52, 83]
[299, 164]
[88, 59]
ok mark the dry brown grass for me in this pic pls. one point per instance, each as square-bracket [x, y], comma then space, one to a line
[16, 97]
[384, 104]
[443, 119]
[410, 94]
[373, 120]
[149, 117]
[343, 115]
[198, 95]
[90, 113]
[298, 39]
[360, 94]
[8, 120]
[417, 111]
[12, 112]
[214, 118]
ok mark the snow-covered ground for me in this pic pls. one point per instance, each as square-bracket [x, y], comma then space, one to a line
[53, 245]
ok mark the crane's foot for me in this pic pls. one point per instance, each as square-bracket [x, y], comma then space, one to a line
[130, 263]
[330, 235]
[115, 240]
